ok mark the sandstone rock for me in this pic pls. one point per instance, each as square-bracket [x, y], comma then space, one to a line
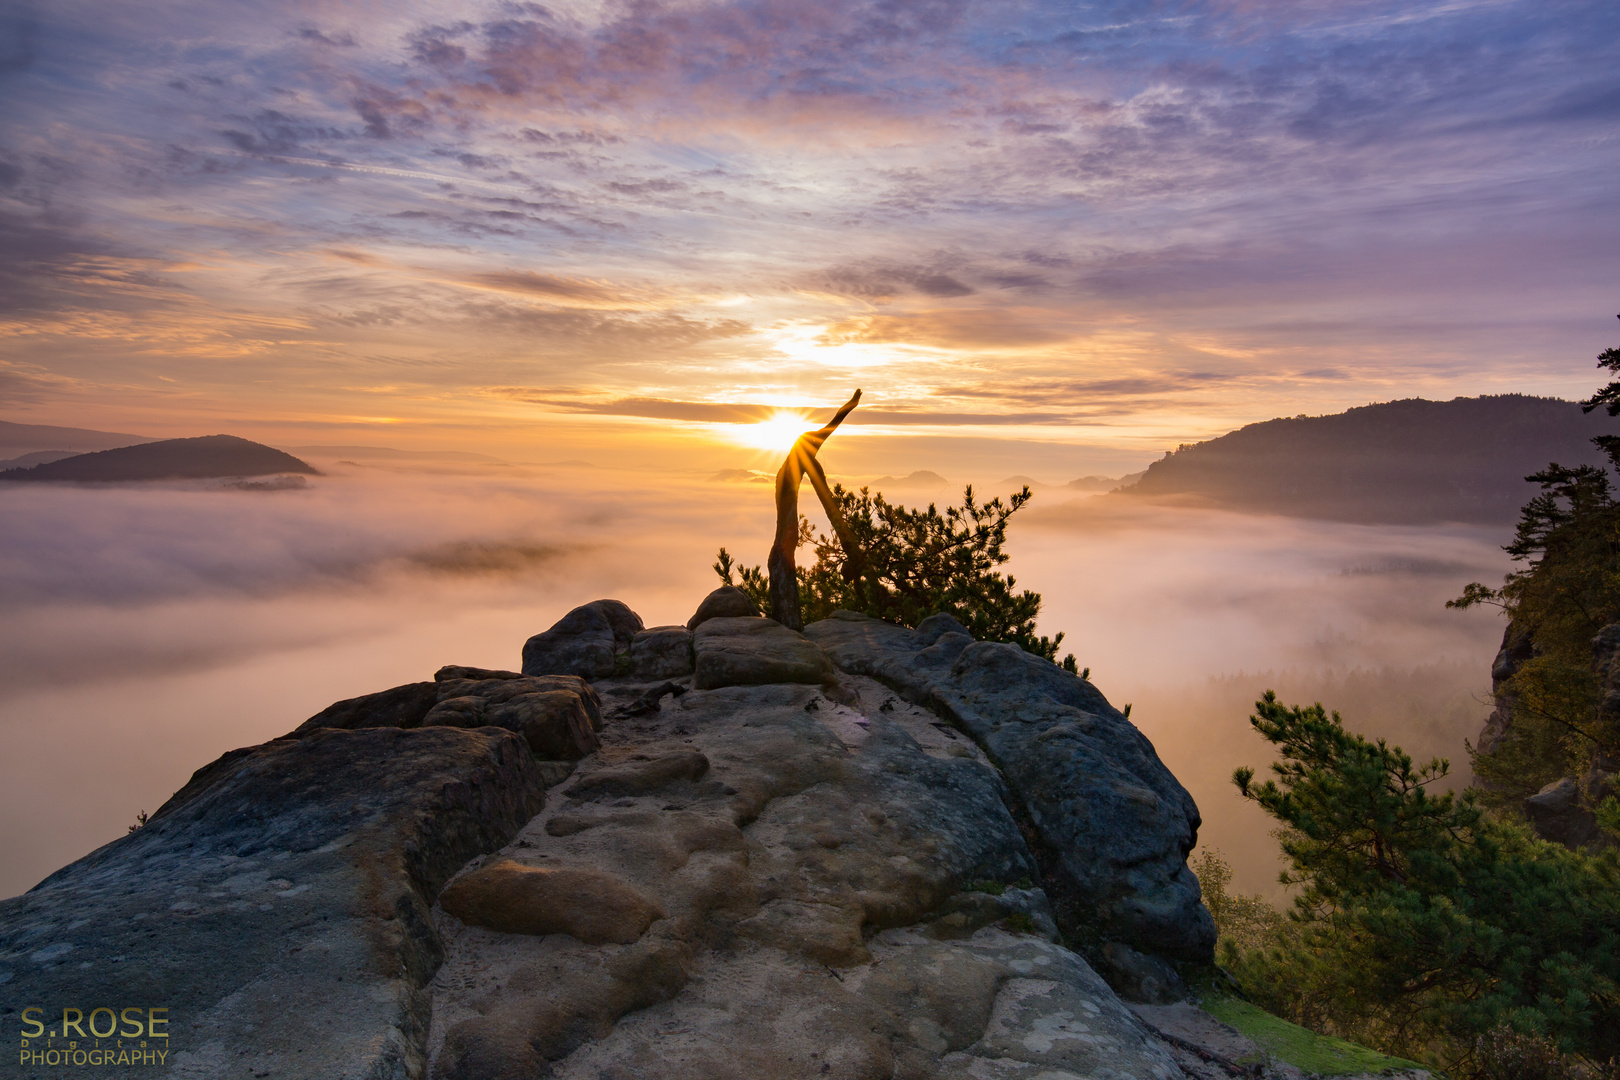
[593, 906]
[752, 651]
[557, 715]
[1116, 826]
[401, 707]
[818, 857]
[726, 602]
[1556, 813]
[280, 914]
[586, 642]
[554, 723]
[1140, 978]
[462, 671]
[783, 873]
[664, 652]
[639, 775]
[1515, 651]
[500, 690]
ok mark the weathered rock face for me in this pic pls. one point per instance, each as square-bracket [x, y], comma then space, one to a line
[281, 912]
[1115, 825]
[585, 642]
[753, 651]
[1562, 810]
[1513, 654]
[401, 707]
[762, 868]
[726, 602]
[663, 652]
[559, 716]
[843, 893]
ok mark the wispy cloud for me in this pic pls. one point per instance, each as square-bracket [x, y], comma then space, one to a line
[669, 200]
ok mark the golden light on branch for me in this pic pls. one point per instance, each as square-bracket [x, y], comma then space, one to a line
[801, 461]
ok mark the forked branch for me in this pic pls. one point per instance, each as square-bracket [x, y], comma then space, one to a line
[801, 460]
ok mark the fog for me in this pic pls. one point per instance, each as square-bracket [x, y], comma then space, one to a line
[151, 628]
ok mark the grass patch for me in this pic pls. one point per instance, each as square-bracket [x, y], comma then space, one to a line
[1301, 1047]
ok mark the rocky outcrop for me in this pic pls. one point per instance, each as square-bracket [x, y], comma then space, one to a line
[1561, 811]
[753, 651]
[280, 913]
[1516, 649]
[586, 642]
[843, 893]
[865, 851]
[1112, 822]
[726, 602]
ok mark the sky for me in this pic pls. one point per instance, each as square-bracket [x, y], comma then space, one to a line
[1073, 234]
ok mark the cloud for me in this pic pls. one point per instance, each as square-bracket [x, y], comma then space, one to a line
[951, 328]
[566, 292]
[1399, 192]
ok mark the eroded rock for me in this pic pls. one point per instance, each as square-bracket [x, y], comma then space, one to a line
[663, 652]
[726, 602]
[839, 900]
[1116, 826]
[281, 913]
[401, 707]
[593, 906]
[585, 642]
[753, 651]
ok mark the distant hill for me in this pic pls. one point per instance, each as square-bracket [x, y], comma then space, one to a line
[1400, 462]
[37, 457]
[922, 478]
[1103, 483]
[18, 439]
[169, 459]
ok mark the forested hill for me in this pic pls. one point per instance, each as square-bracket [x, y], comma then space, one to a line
[1401, 462]
[206, 456]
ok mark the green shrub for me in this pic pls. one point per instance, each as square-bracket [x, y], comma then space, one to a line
[914, 563]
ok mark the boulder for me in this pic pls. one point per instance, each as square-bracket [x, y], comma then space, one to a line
[281, 912]
[401, 707]
[1140, 978]
[585, 642]
[553, 723]
[753, 650]
[558, 716]
[1115, 826]
[663, 652]
[1556, 813]
[462, 671]
[593, 906]
[498, 690]
[726, 602]
[838, 899]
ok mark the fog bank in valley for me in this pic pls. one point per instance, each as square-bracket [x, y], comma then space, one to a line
[151, 628]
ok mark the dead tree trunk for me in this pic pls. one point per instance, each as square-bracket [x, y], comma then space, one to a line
[800, 461]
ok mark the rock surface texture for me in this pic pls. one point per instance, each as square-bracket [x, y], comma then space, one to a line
[280, 913]
[1113, 825]
[865, 852]
[1562, 810]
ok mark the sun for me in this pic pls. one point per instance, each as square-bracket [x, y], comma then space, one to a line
[777, 433]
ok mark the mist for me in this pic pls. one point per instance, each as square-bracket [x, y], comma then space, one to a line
[151, 628]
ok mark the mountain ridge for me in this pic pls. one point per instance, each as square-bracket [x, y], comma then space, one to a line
[203, 457]
[1412, 461]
